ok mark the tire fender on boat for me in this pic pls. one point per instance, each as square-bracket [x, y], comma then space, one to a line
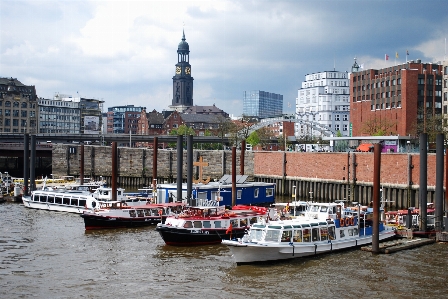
[352, 220]
[342, 222]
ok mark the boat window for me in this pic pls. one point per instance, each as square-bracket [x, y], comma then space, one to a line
[58, 200]
[238, 194]
[234, 223]
[253, 220]
[66, 200]
[218, 224]
[82, 202]
[40, 198]
[243, 222]
[255, 234]
[286, 236]
[355, 231]
[256, 191]
[324, 233]
[140, 213]
[188, 224]
[297, 236]
[269, 192]
[314, 209]
[147, 212]
[297, 226]
[331, 233]
[132, 213]
[119, 193]
[341, 233]
[197, 224]
[324, 209]
[315, 234]
[207, 224]
[350, 231]
[272, 235]
[306, 235]
[155, 212]
[305, 225]
[74, 201]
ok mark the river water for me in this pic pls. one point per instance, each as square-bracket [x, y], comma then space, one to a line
[49, 255]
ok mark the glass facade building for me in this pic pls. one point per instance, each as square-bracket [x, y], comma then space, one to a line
[262, 104]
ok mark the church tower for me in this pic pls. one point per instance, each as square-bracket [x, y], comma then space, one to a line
[182, 80]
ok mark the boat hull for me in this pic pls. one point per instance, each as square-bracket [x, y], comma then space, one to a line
[248, 253]
[185, 237]
[93, 222]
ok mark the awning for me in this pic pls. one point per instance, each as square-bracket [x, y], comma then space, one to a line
[364, 147]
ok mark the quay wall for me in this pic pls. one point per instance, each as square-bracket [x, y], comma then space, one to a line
[320, 176]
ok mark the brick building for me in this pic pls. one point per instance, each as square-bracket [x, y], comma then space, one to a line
[395, 96]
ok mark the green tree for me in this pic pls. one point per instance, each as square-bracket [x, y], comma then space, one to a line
[378, 126]
[253, 139]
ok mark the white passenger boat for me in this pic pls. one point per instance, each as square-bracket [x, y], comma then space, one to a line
[75, 201]
[324, 228]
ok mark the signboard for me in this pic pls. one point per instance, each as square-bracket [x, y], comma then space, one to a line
[91, 124]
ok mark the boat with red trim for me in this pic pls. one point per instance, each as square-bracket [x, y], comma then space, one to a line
[120, 215]
[203, 225]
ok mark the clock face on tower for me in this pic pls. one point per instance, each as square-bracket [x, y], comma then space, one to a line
[187, 70]
[178, 70]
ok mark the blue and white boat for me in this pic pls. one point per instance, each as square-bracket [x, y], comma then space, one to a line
[324, 228]
[247, 193]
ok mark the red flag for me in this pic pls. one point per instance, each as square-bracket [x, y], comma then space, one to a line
[386, 57]
[229, 229]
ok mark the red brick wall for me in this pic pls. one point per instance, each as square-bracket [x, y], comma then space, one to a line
[333, 166]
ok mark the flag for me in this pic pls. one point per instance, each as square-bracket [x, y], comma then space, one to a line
[396, 54]
[386, 57]
[361, 66]
[229, 229]
[407, 52]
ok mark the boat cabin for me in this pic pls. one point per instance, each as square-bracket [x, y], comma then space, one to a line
[293, 232]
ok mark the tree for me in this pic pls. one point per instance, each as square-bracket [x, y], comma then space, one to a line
[181, 130]
[378, 126]
[253, 139]
[429, 122]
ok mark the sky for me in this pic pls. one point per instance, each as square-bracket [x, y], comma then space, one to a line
[124, 52]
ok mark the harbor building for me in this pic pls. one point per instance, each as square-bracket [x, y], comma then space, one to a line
[70, 115]
[324, 99]
[399, 100]
[18, 107]
[182, 79]
[123, 119]
[262, 104]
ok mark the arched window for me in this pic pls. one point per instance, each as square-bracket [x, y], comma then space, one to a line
[24, 104]
[7, 104]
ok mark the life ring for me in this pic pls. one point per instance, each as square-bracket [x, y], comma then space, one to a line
[352, 220]
[342, 222]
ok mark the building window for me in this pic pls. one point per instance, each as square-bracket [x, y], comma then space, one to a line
[344, 127]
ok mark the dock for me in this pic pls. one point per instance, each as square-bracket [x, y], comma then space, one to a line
[398, 245]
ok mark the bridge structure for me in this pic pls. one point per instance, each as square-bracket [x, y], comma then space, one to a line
[105, 138]
[314, 125]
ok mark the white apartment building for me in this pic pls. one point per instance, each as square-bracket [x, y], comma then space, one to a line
[323, 99]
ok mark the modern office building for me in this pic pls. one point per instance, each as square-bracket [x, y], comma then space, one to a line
[18, 107]
[123, 119]
[324, 99]
[262, 104]
[399, 99]
[70, 115]
[182, 80]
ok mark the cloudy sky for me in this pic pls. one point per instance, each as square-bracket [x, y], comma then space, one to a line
[124, 52]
